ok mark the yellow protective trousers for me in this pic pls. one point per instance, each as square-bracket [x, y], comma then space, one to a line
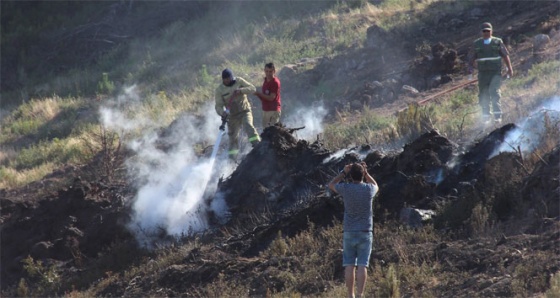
[236, 122]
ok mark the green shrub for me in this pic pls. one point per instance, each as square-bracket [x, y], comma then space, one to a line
[44, 279]
[25, 127]
[105, 86]
[204, 78]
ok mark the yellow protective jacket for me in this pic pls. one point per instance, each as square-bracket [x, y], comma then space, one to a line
[238, 103]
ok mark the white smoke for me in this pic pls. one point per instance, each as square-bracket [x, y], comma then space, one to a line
[530, 132]
[172, 183]
[310, 117]
[336, 155]
[114, 115]
[361, 154]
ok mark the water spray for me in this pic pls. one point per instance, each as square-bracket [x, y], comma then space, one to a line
[212, 160]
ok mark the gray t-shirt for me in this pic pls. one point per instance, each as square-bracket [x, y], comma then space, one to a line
[358, 200]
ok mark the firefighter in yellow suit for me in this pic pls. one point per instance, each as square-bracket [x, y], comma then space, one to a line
[232, 104]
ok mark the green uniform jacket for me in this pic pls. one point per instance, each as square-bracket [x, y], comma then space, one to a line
[239, 103]
[489, 57]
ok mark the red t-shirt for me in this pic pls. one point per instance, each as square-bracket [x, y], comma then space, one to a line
[271, 87]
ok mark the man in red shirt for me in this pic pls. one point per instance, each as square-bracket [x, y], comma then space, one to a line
[270, 96]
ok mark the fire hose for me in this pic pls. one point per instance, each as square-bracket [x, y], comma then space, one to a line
[411, 114]
[423, 101]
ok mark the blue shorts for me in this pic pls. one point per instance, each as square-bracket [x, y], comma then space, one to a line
[356, 248]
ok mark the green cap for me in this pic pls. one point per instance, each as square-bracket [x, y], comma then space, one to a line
[486, 25]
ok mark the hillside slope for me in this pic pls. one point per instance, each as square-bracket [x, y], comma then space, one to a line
[496, 233]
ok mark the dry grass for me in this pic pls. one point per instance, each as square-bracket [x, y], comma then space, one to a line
[415, 269]
[554, 290]
[223, 286]
[531, 275]
[33, 163]
[550, 138]
[12, 178]
[311, 258]
[29, 117]
[402, 264]
[361, 127]
[37, 138]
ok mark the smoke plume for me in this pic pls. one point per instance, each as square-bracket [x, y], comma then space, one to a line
[310, 117]
[171, 182]
[531, 130]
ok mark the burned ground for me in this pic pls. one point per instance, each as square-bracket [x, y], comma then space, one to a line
[74, 224]
[285, 178]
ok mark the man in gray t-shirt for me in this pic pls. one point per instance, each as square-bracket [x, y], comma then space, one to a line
[358, 223]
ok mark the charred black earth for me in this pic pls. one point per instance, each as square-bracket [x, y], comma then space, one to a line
[285, 178]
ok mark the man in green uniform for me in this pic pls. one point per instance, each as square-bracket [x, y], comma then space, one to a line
[232, 104]
[487, 56]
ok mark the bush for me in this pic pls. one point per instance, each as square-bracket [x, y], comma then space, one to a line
[44, 279]
[105, 86]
